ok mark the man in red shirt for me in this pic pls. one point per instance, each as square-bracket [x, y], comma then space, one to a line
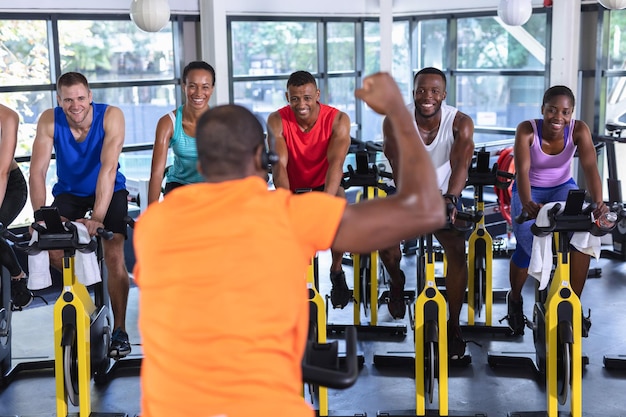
[312, 141]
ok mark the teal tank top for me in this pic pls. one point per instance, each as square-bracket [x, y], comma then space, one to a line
[184, 168]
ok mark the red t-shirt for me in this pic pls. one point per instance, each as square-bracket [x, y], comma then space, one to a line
[307, 151]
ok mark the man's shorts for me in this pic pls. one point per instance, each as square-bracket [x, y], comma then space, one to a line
[73, 207]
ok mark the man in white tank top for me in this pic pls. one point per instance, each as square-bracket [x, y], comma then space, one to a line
[448, 136]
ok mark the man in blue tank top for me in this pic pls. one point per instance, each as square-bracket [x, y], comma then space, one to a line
[87, 139]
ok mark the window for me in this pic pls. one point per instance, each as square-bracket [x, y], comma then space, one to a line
[125, 67]
[614, 97]
[496, 73]
[264, 54]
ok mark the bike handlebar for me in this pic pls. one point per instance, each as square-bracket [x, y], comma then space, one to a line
[66, 240]
[20, 240]
[579, 222]
[336, 379]
[467, 216]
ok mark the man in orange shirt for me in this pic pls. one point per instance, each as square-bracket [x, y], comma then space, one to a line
[240, 319]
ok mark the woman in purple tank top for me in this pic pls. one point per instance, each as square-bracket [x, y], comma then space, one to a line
[544, 149]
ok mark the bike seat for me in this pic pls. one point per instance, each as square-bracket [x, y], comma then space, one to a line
[615, 126]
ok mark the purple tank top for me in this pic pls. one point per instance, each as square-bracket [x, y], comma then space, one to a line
[551, 170]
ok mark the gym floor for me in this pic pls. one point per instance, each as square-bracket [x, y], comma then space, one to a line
[474, 390]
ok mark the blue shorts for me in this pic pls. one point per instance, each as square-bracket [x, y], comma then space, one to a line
[523, 235]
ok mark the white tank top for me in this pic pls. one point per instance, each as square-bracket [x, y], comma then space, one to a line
[439, 149]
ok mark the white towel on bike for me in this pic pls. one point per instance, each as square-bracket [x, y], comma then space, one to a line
[587, 243]
[85, 264]
[541, 254]
[540, 266]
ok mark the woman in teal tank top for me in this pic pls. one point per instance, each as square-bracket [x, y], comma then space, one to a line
[177, 130]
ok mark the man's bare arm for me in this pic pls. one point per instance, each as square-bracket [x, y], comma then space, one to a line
[279, 170]
[337, 151]
[461, 153]
[40, 159]
[111, 149]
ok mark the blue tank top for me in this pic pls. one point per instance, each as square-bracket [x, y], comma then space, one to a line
[184, 169]
[78, 163]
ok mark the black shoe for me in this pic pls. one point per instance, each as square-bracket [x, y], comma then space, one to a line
[120, 346]
[515, 315]
[396, 303]
[586, 322]
[21, 296]
[340, 294]
[456, 343]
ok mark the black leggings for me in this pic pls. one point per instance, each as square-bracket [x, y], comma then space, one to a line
[14, 201]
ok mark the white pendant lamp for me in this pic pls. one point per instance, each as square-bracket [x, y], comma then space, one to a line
[150, 15]
[515, 12]
[613, 4]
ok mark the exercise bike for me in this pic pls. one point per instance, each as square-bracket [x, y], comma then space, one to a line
[615, 135]
[369, 273]
[480, 291]
[557, 314]
[7, 371]
[323, 366]
[82, 329]
[429, 323]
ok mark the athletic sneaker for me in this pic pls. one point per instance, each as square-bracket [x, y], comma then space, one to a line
[120, 347]
[396, 303]
[21, 296]
[456, 343]
[515, 315]
[340, 294]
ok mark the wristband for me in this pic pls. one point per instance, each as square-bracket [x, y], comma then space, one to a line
[453, 198]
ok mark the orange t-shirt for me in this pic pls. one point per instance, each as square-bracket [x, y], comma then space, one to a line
[223, 310]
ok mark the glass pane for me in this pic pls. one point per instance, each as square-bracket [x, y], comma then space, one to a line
[29, 105]
[264, 48]
[372, 47]
[136, 165]
[401, 60]
[485, 43]
[372, 125]
[616, 111]
[617, 40]
[115, 50]
[142, 107]
[24, 55]
[484, 138]
[500, 101]
[430, 43]
[262, 97]
[616, 99]
[341, 50]
[341, 95]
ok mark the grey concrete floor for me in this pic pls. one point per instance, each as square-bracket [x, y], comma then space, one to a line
[474, 389]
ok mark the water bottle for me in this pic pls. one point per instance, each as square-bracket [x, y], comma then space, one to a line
[607, 220]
